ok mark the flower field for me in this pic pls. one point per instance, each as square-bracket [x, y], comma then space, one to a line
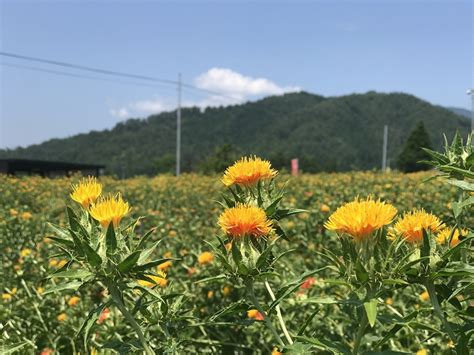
[278, 285]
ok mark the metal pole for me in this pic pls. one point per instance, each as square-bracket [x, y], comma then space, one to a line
[472, 110]
[384, 149]
[178, 129]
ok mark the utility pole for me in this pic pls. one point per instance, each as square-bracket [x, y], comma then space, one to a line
[384, 149]
[471, 93]
[178, 129]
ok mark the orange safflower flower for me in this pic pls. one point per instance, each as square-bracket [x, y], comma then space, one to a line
[412, 224]
[248, 171]
[73, 301]
[443, 236]
[255, 314]
[157, 280]
[205, 258]
[360, 219]
[244, 220]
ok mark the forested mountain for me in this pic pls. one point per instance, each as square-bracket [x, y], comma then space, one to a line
[325, 133]
[460, 111]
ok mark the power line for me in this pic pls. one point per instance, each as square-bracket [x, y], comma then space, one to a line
[64, 73]
[110, 72]
[83, 67]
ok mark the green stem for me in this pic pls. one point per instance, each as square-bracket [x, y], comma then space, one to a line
[280, 317]
[253, 298]
[116, 295]
[360, 333]
[437, 308]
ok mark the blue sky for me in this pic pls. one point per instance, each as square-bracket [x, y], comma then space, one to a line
[244, 49]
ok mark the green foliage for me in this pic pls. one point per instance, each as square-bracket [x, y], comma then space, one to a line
[325, 133]
[412, 153]
[222, 157]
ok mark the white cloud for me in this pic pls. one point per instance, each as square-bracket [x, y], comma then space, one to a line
[232, 86]
[120, 113]
[232, 83]
[155, 105]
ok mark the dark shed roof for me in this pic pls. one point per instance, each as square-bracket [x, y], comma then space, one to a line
[45, 167]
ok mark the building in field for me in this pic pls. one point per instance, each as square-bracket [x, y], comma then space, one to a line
[21, 167]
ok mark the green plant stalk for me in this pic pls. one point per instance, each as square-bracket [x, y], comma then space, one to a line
[280, 317]
[437, 308]
[40, 317]
[268, 322]
[129, 317]
[360, 333]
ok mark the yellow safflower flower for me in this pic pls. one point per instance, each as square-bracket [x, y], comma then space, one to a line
[444, 234]
[205, 258]
[165, 266]
[255, 314]
[248, 171]
[26, 215]
[244, 220]
[73, 301]
[25, 252]
[360, 219]
[62, 317]
[226, 291]
[412, 224]
[424, 296]
[110, 209]
[157, 280]
[86, 192]
[324, 208]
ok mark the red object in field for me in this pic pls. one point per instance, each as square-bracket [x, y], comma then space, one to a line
[294, 167]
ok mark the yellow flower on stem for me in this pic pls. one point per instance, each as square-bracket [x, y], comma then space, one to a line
[255, 314]
[248, 171]
[62, 317]
[445, 233]
[86, 192]
[25, 252]
[157, 280]
[424, 296]
[412, 224]
[109, 209]
[205, 258]
[26, 215]
[73, 301]
[165, 266]
[244, 220]
[360, 218]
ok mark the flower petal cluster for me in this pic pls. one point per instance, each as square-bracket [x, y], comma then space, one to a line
[157, 280]
[255, 315]
[248, 171]
[360, 218]
[443, 236]
[86, 192]
[244, 220]
[109, 209]
[412, 224]
[205, 258]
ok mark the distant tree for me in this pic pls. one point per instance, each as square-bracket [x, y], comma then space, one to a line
[408, 160]
[222, 157]
[165, 164]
